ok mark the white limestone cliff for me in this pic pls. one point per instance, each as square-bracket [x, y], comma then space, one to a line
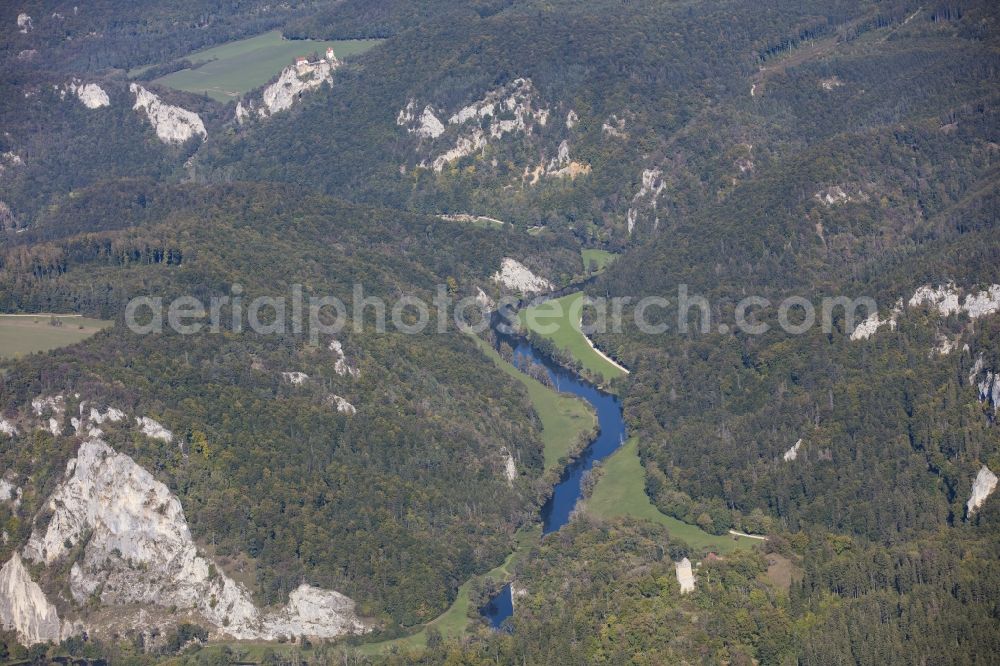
[296, 378]
[154, 429]
[647, 198]
[426, 125]
[793, 452]
[90, 94]
[509, 109]
[172, 124]
[140, 551]
[982, 487]
[24, 607]
[343, 406]
[340, 365]
[293, 81]
[515, 276]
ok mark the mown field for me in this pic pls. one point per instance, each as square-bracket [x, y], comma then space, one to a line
[232, 69]
[596, 259]
[26, 334]
[558, 320]
[621, 492]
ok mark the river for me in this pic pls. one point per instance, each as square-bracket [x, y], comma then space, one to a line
[557, 511]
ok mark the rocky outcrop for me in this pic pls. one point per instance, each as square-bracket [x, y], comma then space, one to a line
[342, 405]
[91, 94]
[295, 378]
[836, 194]
[870, 326]
[293, 82]
[509, 466]
[560, 166]
[315, 612]
[24, 608]
[614, 127]
[139, 550]
[426, 125]
[982, 487]
[793, 452]
[685, 576]
[24, 25]
[10, 493]
[509, 109]
[340, 364]
[7, 428]
[154, 429]
[515, 276]
[173, 125]
[646, 199]
[944, 300]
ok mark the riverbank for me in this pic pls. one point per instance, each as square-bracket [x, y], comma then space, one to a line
[559, 321]
[620, 492]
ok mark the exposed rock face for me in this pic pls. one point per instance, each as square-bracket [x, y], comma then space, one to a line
[343, 406]
[836, 194]
[982, 487]
[23, 606]
[112, 415]
[510, 467]
[312, 611]
[295, 80]
[426, 125]
[340, 364]
[10, 493]
[572, 119]
[830, 83]
[561, 166]
[91, 94]
[140, 551]
[24, 23]
[646, 198]
[685, 577]
[515, 276]
[510, 109]
[944, 300]
[870, 326]
[243, 112]
[7, 428]
[154, 429]
[173, 124]
[296, 378]
[793, 453]
[615, 127]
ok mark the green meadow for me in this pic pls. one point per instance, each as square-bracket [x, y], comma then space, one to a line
[558, 320]
[621, 492]
[596, 259]
[231, 69]
[26, 334]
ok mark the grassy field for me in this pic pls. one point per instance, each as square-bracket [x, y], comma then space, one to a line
[563, 314]
[565, 418]
[620, 492]
[26, 334]
[234, 68]
[600, 258]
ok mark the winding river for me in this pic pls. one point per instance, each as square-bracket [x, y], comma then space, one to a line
[557, 511]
